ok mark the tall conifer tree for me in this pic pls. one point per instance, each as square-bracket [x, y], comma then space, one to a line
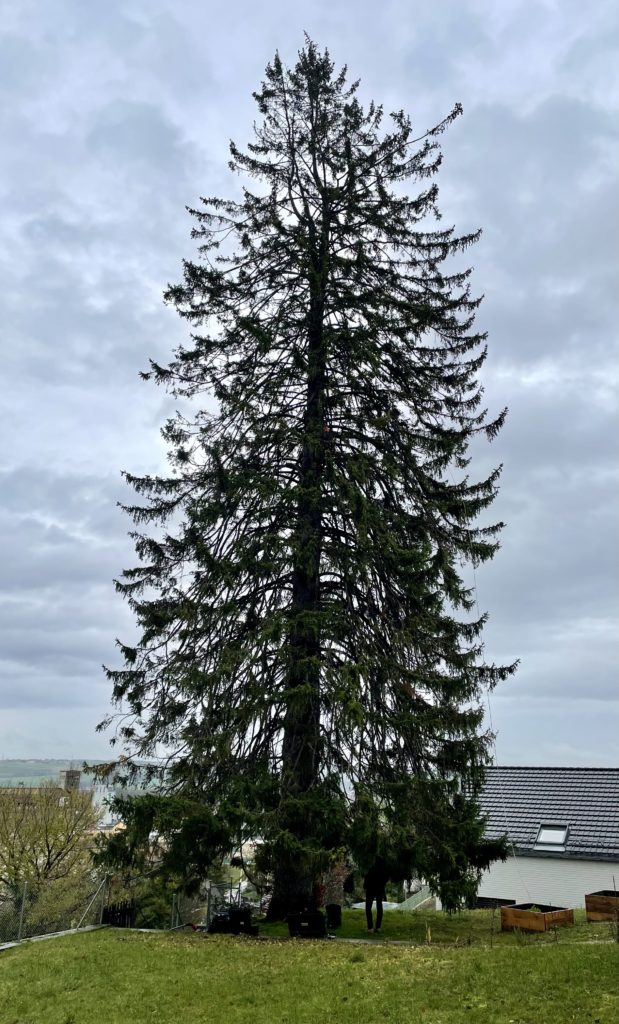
[308, 646]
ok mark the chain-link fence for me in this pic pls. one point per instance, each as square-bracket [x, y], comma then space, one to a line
[200, 909]
[29, 909]
[214, 898]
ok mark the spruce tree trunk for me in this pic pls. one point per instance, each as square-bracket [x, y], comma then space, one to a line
[293, 875]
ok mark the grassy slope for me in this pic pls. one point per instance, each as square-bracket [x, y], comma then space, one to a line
[112, 977]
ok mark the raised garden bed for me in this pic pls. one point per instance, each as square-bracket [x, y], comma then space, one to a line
[535, 917]
[602, 905]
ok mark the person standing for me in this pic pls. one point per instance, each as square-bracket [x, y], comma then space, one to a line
[374, 884]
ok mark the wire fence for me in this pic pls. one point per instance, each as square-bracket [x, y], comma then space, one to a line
[213, 898]
[29, 909]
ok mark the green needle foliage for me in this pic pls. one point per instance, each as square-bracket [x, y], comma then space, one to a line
[308, 646]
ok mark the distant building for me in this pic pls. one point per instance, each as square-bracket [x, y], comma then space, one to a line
[102, 796]
[563, 827]
[70, 779]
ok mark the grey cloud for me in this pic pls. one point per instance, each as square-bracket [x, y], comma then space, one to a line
[429, 56]
[533, 177]
[551, 590]
[79, 499]
[554, 732]
[20, 60]
[59, 642]
[67, 731]
[567, 663]
[38, 556]
[149, 143]
[62, 541]
[51, 674]
[112, 120]
[559, 433]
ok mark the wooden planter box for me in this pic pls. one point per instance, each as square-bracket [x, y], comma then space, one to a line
[602, 905]
[542, 919]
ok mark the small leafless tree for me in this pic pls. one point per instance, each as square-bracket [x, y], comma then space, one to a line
[46, 834]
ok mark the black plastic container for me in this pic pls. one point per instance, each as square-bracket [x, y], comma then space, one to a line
[334, 915]
[308, 925]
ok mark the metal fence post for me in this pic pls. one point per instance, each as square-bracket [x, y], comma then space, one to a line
[103, 898]
[21, 913]
[83, 917]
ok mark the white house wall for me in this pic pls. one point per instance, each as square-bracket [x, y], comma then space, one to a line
[559, 881]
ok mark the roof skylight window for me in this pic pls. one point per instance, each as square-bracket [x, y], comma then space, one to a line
[552, 835]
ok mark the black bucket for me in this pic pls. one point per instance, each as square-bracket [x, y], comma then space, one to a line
[334, 915]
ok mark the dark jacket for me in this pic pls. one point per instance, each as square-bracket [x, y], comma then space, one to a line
[376, 879]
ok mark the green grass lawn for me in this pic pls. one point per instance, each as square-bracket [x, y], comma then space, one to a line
[470, 928]
[116, 977]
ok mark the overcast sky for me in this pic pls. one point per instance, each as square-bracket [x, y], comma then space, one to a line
[113, 116]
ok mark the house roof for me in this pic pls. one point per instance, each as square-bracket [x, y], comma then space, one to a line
[586, 800]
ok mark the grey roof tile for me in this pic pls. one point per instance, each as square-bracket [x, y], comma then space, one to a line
[517, 800]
